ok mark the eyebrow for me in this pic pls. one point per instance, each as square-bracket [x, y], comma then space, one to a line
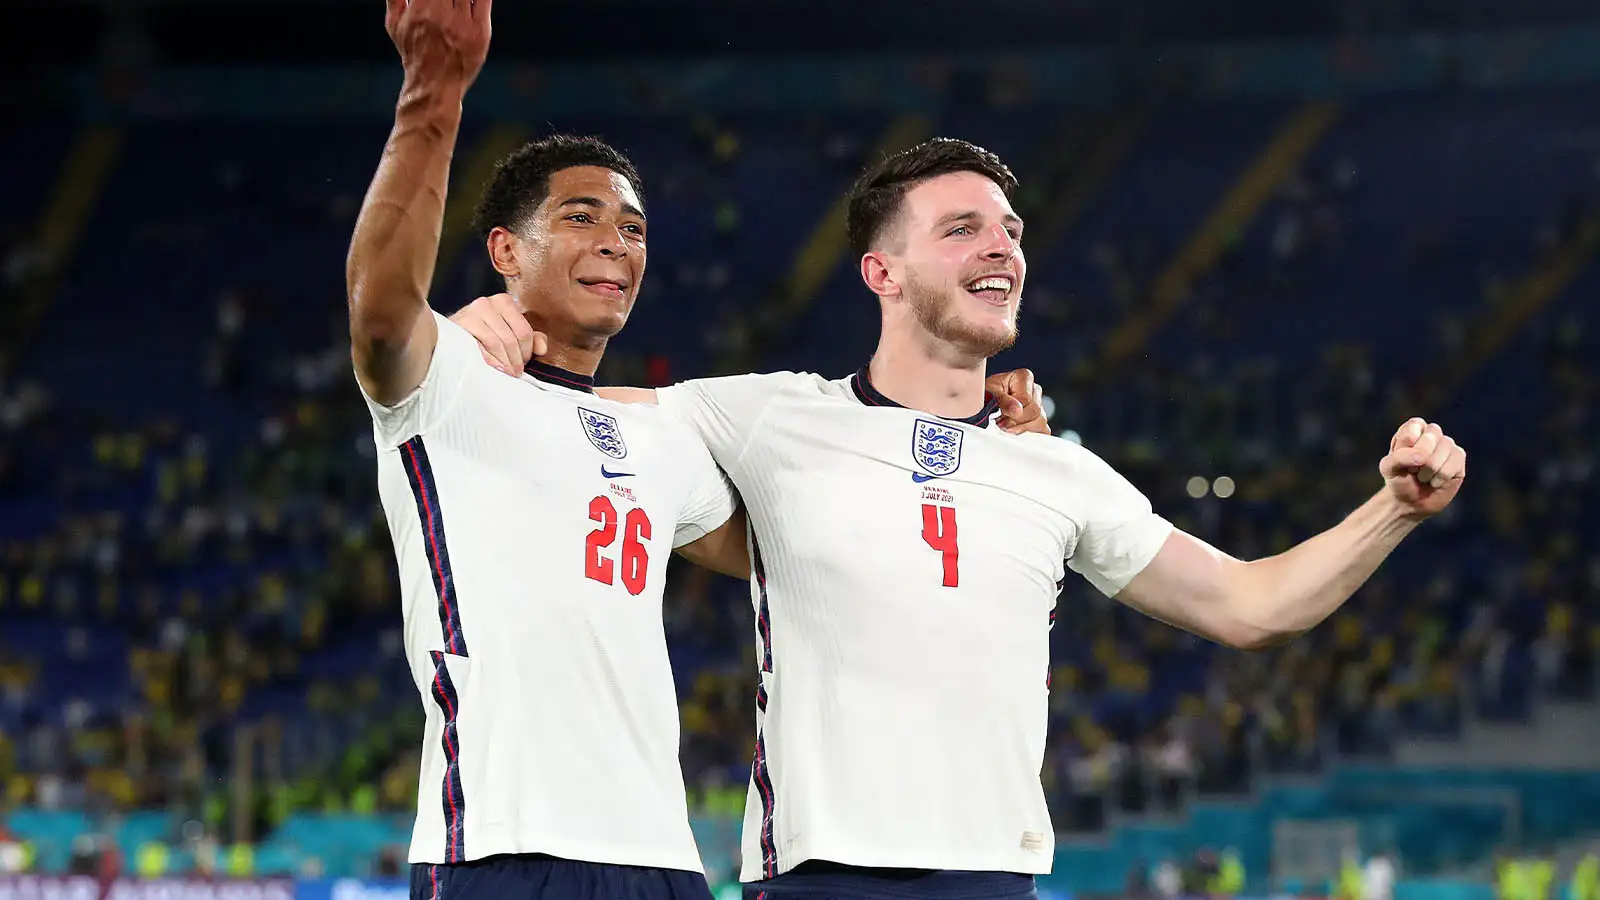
[597, 203]
[972, 215]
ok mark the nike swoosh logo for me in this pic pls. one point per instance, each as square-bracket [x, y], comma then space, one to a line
[610, 474]
[919, 478]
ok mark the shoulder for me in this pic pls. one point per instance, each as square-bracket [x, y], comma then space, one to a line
[760, 383]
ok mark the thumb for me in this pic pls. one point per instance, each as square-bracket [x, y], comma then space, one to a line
[540, 344]
[1401, 462]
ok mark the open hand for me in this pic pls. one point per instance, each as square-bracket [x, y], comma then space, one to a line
[505, 338]
[1424, 468]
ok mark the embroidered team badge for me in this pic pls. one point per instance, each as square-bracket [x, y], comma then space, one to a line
[603, 432]
[936, 447]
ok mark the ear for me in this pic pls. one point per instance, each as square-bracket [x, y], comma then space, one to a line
[503, 252]
[879, 279]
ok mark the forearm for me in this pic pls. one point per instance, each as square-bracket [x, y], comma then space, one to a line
[1290, 593]
[396, 241]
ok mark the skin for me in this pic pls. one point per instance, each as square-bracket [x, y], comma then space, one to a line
[576, 262]
[575, 265]
[937, 336]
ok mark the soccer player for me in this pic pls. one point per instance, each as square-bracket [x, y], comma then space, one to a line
[908, 559]
[531, 519]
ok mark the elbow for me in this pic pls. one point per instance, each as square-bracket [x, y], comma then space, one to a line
[1253, 638]
[382, 316]
[1253, 621]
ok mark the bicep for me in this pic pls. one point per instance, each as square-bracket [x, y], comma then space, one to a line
[1190, 584]
[724, 550]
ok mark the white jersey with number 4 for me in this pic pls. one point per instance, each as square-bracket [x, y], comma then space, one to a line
[532, 523]
[907, 570]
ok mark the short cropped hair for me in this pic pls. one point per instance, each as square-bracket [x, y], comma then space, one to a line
[877, 195]
[522, 180]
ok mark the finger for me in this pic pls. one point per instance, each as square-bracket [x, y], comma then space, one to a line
[1418, 453]
[1432, 472]
[1020, 385]
[509, 350]
[489, 358]
[1408, 433]
[506, 308]
[491, 333]
[1010, 406]
[539, 344]
[1456, 468]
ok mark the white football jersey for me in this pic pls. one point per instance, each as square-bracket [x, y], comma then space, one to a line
[532, 522]
[907, 569]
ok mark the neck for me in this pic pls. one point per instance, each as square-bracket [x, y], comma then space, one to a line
[567, 349]
[918, 372]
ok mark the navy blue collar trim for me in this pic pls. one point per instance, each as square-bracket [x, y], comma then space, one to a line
[559, 376]
[861, 383]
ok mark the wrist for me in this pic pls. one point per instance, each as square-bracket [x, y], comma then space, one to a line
[1392, 513]
[429, 99]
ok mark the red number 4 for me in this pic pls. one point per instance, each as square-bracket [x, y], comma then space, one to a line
[635, 560]
[939, 531]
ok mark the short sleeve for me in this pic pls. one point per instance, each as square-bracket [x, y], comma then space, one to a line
[1119, 534]
[711, 500]
[455, 356]
[724, 411]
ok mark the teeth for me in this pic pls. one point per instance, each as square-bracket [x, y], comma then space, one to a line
[995, 283]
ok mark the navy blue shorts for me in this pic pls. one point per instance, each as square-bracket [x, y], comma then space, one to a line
[818, 880]
[539, 877]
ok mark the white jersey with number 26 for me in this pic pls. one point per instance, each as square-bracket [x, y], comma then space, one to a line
[907, 569]
[532, 523]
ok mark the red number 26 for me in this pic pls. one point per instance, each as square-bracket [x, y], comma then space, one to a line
[635, 531]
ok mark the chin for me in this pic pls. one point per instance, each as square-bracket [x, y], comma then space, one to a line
[606, 324]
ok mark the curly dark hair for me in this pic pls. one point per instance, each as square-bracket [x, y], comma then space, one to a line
[522, 180]
[876, 196]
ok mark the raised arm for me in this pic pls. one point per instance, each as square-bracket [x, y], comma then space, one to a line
[1258, 604]
[392, 255]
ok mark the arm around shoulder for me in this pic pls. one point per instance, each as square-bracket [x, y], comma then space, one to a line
[726, 550]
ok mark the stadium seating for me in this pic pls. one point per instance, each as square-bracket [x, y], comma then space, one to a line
[193, 563]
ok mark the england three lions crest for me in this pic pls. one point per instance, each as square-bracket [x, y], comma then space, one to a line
[936, 447]
[603, 433]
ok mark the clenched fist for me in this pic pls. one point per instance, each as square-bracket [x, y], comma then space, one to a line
[1424, 468]
[442, 43]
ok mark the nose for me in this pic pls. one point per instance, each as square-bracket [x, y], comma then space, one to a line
[609, 243]
[1000, 246]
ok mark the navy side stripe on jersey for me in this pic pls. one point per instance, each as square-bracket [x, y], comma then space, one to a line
[759, 773]
[763, 780]
[425, 490]
[455, 796]
[763, 616]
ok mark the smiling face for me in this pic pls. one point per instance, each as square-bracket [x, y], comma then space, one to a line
[576, 262]
[954, 256]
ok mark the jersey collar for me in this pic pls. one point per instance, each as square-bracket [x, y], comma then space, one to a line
[861, 383]
[560, 377]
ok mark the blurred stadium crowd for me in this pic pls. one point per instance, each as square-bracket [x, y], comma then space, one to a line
[197, 594]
